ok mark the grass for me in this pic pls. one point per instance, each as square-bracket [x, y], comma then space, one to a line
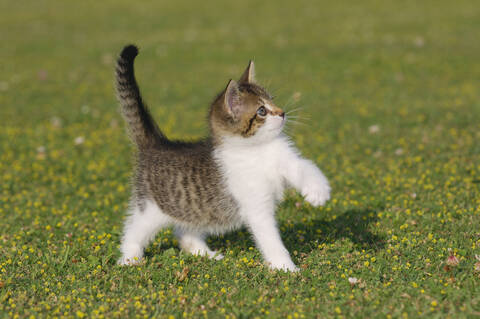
[389, 95]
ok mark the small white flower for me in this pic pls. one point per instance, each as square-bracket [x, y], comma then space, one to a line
[79, 140]
[41, 149]
[56, 121]
[399, 151]
[353, 281]
[374, 129]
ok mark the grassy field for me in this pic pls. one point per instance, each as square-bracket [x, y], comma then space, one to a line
[389, 96]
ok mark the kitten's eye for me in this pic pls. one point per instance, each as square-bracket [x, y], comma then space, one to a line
[262, 111]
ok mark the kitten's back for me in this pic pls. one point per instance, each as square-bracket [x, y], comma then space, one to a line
[185, 182]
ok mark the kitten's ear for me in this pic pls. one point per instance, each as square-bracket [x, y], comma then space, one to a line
[232, 98]
[249, 75]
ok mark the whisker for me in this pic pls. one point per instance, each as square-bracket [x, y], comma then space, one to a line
[290, 131]
[294, 110]
[301, 117]
[289, 102]
[298, 118]
[297, 123]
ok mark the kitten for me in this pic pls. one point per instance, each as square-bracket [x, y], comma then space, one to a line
[232, 178]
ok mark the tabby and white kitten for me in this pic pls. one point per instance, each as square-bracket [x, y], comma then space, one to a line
[232, 178]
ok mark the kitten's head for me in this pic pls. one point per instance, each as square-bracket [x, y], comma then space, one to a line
[245, 110]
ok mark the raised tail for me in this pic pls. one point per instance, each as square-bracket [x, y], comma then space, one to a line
[143, 130]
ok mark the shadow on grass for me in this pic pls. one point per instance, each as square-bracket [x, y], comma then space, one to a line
[353, 225]
[303, 237]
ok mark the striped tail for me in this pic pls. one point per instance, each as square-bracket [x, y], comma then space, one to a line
[143, 130]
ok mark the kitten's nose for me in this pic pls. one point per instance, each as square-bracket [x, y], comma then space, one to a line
[282, 115]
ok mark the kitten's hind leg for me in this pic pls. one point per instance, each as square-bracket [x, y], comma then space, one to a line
[194, 243]
[140, 228]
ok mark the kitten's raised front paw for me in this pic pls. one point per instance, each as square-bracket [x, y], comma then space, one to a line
[317, 193]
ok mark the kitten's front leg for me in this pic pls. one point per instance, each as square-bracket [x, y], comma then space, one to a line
[262, 224]
[306, 177]
[314, 187]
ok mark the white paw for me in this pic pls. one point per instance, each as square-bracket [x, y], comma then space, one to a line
[129, 261]
[205, 252]
[284, 266]
[317, 193]
[214, 255]
[131, 255]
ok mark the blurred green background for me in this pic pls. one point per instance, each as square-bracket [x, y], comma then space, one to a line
[389, 106]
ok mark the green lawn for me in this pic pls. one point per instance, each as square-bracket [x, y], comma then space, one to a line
[389, 96]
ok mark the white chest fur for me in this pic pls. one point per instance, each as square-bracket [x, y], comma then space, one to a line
[252, 172]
